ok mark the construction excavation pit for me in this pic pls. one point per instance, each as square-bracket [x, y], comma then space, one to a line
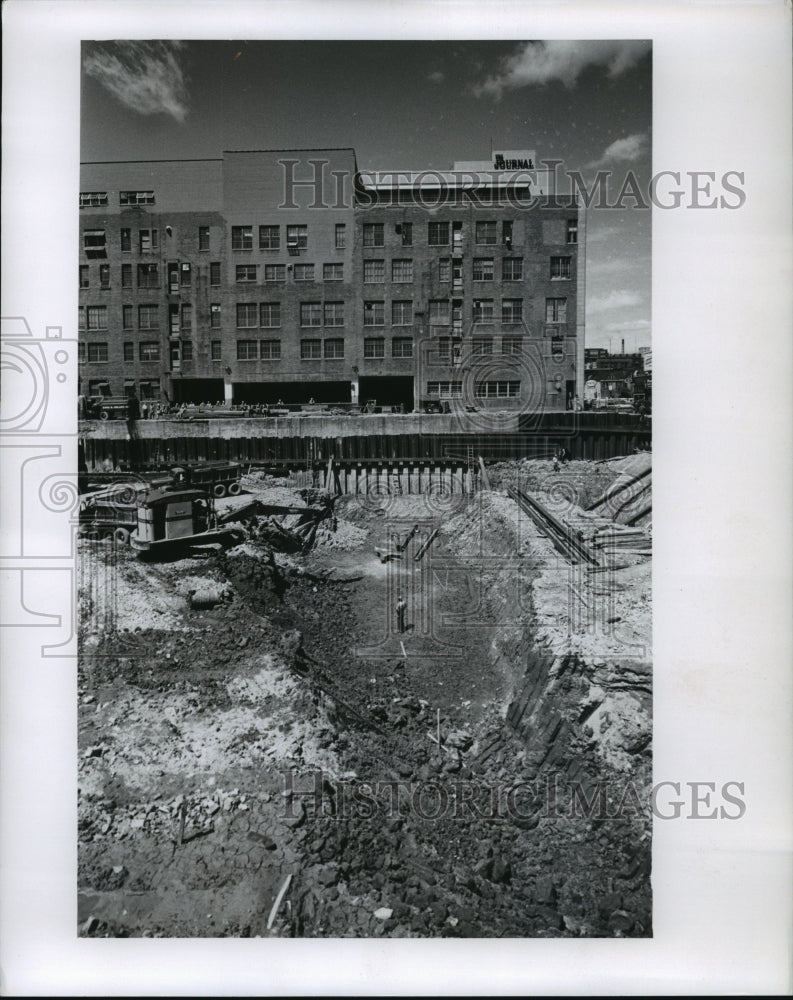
[382, 706]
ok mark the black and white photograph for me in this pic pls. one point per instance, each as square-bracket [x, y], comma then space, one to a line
[365, 489]
[372, 621]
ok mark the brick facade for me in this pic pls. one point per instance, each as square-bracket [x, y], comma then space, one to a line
[282, 275]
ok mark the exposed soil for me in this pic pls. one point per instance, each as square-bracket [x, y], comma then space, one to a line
[252, 716]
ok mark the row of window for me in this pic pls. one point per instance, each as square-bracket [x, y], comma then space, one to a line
[269, 236]
[314, 349]
[277, 272]
[445, 233]
[491, 389]
[149, 350]
[99, 199]
[453, 348]
[268, 314]
[374, 272]
[179, 275]
[315, 314]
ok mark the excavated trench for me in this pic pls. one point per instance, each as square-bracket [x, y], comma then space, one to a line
[291, 732]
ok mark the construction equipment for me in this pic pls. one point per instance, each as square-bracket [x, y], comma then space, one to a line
[169, 521]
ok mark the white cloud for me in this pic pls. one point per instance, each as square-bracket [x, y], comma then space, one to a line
[623, 150]
[436, 76]
[147, 77]
[617, 299]
[542, 62]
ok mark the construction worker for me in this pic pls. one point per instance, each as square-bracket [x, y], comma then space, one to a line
[401, 610]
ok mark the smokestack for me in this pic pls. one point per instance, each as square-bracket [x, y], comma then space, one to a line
[623, 345]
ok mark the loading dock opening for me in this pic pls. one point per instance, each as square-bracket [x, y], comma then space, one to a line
[388, 390]
[292, 392]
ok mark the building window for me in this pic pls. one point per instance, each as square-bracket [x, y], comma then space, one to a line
[512, 311]
[506, 233]
[136, 197]
[304, 272]
[270, 350]
[270, 314]
[104, 276]
[84, 276]
[203, 238]
[94, 243]
[97, 353]
[373, 272]
[214, 273]
[560, 268]
[333, 272]
[214, 315]
[445, 269]
[149, 350]
[274, 272]
[512, 269]
[334, 348]
[402, 347]
[445, 390]
[402, 312]
[438, 234]
[296, 237]
[93, 199]
[245, 272]
[374, 347]
[556, 310]
[187, 350]
[173, 319]
[247, 350]
[407, 234]
[148, 239]
[150, 388]
[186, 274]
[373, 234]
[269, 237]
[129, 351]
[483, 310]
[310, 350]
[334, 314]
[439, 312]
[216, 350]
[512, 345]
[373, 314]
[340, 236]
[401, 270]
[126, 241]
[242, 237]
[126, 275]
[97, 317]
[485, 232]
[482, 345]
[126, 317]
[497, 390]
[148, 275]
[483, 268]
[81, 317]
[572, 230]
[187, 317]
[247, 315]
[310, 314]
[148, 317]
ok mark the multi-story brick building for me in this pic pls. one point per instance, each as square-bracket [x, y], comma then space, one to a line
[290, 275]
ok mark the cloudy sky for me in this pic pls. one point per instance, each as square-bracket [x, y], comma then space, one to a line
[405, 105]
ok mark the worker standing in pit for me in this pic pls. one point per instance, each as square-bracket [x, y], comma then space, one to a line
[401, 611]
